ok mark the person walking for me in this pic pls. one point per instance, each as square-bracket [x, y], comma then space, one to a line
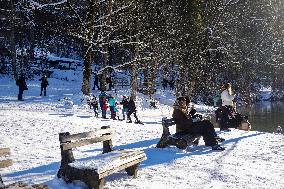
[21, 83]
[132, 110]
[43, 85]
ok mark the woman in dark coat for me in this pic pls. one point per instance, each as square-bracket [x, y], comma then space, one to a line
[132, 110]
[21, 83]
[185, 125]
[43, 84]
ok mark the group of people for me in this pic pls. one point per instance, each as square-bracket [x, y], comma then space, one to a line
[108, 102]
[97, 82]
[21, 83]
[227, 116]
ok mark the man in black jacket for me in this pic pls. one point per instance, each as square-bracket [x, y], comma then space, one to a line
[43, 84]
[21, 83]
[132, 110]
[185, 125]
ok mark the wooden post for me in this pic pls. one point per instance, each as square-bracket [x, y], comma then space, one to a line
[66, 156]
[107, 145]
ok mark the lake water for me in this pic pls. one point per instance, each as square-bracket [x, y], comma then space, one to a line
[265, 116]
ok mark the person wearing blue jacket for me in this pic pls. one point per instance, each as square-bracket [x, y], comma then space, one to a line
[112, 103]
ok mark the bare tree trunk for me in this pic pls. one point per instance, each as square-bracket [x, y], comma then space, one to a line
[133, 81]
[106, 48]
[134, 75]
[12, 40]
[86, 85]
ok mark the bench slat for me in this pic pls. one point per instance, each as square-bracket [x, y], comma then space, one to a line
[68, 146]
[4, 151]
[109, 161]
[6, 163]
[121, 167]
[91, 134]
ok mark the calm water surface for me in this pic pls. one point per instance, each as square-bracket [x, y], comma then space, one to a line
[265, 116]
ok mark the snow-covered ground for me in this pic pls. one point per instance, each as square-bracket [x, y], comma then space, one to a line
[30, 128]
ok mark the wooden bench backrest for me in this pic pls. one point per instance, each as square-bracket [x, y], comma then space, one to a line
[68, 142]
[3, 161]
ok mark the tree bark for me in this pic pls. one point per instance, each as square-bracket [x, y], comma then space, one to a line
[86, 85]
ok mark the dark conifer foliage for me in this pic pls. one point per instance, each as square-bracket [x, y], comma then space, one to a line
[200, 44]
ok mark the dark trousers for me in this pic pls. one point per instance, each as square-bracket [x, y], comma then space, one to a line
[103, 113]
[229, 118]
[20, 95]
[96, 84]
[43, 88]
[129, 114]
[112, 112]
[206, 129]
[96, 111]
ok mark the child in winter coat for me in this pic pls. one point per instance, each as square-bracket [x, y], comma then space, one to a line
[104, 107]
[94, 104]
[112, 104]
[124, 104]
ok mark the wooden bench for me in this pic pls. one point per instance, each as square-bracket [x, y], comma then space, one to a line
[92, 171]
[181, 141]
[5, 162]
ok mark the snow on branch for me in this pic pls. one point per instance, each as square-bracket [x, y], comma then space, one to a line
[126, 64]
[37, 5]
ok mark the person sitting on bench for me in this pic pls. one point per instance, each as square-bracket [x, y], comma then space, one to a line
[185, 125]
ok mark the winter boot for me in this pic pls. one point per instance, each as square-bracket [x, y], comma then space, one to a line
[218, 147]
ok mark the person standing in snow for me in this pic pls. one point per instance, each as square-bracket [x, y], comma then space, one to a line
[103, 103]
[132, 110]
[185, 125]
[124, 104]
[21, 83]
[112, 103]
[164, 83]
[43, 85]
[94, 104]
[104, 107]
[96, 82]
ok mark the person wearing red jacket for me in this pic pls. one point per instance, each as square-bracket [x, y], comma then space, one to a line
[104, 107]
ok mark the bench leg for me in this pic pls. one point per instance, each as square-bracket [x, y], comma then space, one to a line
[1, 182]
[91, 179]
[95, 183]
[132, 170]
